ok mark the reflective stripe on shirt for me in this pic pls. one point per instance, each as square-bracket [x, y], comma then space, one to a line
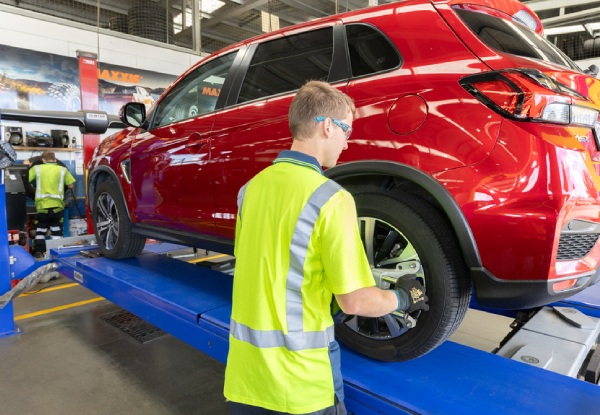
[38, 185]
[240, 198]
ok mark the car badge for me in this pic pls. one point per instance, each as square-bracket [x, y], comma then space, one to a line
[581, 138]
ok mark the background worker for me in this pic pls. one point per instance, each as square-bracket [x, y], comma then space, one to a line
[297, 245]
[50, 181]
[31, 162]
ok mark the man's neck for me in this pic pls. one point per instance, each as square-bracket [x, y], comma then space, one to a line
[310, 147]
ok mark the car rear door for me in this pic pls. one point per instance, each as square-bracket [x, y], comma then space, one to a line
[250, 134]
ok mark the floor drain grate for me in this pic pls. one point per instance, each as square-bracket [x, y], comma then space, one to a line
[131, 324]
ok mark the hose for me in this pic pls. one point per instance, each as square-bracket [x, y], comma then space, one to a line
[27, 282]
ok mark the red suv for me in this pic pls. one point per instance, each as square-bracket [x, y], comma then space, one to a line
[473, 160]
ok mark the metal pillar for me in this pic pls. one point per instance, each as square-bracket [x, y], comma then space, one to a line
[7, 318]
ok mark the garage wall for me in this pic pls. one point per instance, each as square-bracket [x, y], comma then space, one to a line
[28, 30]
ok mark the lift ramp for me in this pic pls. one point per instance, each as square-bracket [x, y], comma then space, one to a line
[194, 304]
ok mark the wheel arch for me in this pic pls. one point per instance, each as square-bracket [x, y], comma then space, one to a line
[390, 175]
[99, 175]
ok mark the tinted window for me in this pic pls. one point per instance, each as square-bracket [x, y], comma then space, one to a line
[285, 64]
[370, 51]
[515, 39]
[196, 94]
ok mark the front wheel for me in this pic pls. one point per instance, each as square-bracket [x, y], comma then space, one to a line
[112, 226]
[409, 236]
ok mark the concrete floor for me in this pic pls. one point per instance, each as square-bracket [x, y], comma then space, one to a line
[68, 360]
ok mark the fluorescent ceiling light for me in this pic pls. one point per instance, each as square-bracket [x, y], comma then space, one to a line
[269, 22]
[210, 6]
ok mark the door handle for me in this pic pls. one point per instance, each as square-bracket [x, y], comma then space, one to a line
[197, 140]
[199, 143]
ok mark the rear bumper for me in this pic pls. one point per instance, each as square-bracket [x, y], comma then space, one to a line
[534, 210]
[515, 295]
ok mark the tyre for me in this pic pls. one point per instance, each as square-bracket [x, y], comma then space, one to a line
[66, 95]
[112, 226]
[150, 21]
[406, 234]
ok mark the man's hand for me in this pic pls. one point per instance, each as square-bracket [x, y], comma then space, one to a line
[411, 295]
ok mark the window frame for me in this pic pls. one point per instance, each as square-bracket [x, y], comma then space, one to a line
[338, 70]
[221, 99]
[376, 29]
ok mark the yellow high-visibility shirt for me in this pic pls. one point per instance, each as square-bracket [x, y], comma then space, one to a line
[297, 243]
[50, 180]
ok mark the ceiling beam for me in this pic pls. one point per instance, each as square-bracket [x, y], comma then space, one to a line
[541, 5]
[313, 12]
[570, 18]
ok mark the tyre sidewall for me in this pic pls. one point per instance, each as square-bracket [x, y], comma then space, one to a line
[438, 322]
[124, 223]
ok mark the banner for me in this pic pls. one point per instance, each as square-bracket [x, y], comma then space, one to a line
[119, 85]
[31, 80]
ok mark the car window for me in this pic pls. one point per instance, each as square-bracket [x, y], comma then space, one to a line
[512, 38]
[285, 64]
[196, 94]
[370, 51]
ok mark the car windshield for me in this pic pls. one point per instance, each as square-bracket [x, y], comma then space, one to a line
[508, 37]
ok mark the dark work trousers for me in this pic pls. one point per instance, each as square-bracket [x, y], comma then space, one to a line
[51, 219]
[240, 409]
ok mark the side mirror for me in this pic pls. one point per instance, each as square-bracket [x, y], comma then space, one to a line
[133, 114]
[592, 70]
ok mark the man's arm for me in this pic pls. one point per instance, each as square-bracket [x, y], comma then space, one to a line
[368, 302]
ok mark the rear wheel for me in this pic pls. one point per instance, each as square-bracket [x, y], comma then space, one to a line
[407, 235]
[112, 226]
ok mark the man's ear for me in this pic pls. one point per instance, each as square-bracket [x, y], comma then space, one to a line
[327, 127]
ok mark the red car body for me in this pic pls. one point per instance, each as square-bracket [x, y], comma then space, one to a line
[519, 192]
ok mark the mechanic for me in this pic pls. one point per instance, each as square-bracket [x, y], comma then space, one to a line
[50, 181]
[297, 245]
[34, 161]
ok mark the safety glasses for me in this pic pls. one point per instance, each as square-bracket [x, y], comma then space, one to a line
[345, 127]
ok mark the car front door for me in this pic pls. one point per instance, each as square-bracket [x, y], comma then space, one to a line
[170, 178]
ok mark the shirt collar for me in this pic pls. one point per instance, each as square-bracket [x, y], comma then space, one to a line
[301, 159]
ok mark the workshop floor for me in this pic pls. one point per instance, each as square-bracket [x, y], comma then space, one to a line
[69, 360]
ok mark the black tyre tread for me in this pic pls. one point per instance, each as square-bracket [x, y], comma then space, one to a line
[128, 244]
[456, 300]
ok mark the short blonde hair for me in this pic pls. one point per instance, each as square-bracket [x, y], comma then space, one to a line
[314, 99]
[48, 156]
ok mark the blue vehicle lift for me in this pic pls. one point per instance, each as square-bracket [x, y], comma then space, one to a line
[194, 304]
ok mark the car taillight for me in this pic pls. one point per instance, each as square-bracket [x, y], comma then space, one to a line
[529, 95]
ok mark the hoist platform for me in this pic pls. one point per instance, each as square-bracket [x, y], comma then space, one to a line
[193, 303]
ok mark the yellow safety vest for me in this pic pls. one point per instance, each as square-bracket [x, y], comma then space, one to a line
[297, 244]
[50, 180]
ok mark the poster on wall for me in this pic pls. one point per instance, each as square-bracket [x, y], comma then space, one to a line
[31, 80]
[119, 85]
